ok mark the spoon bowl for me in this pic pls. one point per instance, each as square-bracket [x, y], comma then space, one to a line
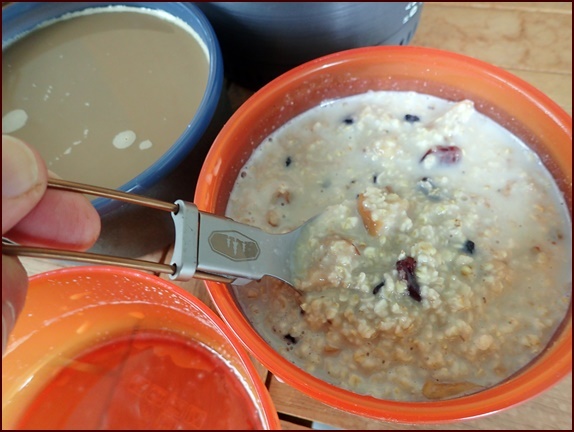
[240, 251]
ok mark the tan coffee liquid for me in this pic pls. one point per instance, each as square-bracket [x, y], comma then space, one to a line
[103, 95]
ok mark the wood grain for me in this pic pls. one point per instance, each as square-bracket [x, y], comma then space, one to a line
[551, 410]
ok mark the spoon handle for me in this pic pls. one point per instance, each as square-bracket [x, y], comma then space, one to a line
[67, 185]
[14, 249]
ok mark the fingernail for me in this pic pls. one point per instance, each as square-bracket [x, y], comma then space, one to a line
[19, 167]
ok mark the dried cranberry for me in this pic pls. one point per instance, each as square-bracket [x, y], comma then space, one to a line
[446, 155]
[406, 268]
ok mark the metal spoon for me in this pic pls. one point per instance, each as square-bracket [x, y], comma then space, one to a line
[207, 246]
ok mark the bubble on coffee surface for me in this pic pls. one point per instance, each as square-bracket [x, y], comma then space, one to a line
[14, 120]
[146, 144]
[124, 139]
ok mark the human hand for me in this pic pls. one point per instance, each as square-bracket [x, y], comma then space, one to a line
[33, 215]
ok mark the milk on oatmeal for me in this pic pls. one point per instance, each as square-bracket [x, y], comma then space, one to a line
[440, 262]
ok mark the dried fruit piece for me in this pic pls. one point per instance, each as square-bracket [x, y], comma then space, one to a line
[447, 155]
[437, 390]
[372, 226]
[406, 268]
[273, 218]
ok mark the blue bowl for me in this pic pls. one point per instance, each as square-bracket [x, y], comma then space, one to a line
[22, 17]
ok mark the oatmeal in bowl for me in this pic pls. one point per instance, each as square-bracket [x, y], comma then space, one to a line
[438, 274]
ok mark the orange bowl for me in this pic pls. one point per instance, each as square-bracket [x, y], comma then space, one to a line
[513, 103]
[112, 348]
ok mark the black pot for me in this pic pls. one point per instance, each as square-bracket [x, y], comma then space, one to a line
[261, 40]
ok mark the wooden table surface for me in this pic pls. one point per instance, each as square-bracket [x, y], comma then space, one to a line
[532, 40]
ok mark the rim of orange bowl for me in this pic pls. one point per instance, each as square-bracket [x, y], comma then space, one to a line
[552, 366]
[269, 415]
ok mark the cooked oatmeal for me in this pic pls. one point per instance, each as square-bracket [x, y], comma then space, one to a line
[440, 263]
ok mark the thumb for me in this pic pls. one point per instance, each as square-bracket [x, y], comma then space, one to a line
[24, 179]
